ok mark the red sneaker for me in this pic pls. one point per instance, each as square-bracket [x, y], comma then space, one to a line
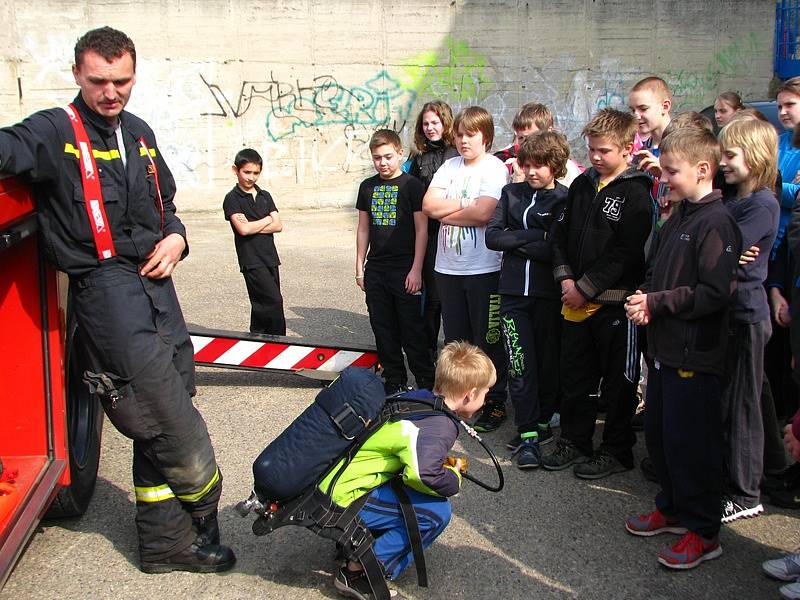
[653, 524]
[689, 551]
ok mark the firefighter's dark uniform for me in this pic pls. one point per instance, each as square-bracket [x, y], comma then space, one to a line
[132, 325]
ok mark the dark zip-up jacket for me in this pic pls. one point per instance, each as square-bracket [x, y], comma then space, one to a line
[757, 216]
[424, 166]
[521, 228]
[42, 150]
[599, 241]
[691, 286]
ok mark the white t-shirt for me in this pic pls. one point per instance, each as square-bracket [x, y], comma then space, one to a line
[462, 250]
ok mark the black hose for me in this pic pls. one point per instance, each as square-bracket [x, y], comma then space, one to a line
[500, 479]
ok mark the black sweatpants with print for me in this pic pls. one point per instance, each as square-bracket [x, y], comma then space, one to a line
[531, 330]
[471, 312]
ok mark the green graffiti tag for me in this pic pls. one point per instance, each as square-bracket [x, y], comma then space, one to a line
[456, 72]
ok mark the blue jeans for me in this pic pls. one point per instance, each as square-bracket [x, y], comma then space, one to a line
[381, 514]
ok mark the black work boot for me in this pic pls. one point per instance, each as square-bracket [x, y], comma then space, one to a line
[207, 529]
[210, 558]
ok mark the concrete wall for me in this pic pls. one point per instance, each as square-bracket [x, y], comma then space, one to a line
[306, 82]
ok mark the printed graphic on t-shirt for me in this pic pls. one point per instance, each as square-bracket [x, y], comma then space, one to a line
[454, 236]
[383, 205]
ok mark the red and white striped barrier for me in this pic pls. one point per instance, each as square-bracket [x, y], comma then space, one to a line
[282, 354]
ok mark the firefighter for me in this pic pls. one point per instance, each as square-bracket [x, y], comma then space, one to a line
[107, 218]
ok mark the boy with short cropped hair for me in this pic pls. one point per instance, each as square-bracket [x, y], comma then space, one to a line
[390, 250]
[684, 303]
[254, 219]
[529, 296]
[598, 258]
[417, 448]
[531, 119]
[651, 102]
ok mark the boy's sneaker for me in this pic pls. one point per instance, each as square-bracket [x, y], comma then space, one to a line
[600, 465]
[689, 551]
[563, 455]
[653, 524]
[530, 456]
[513, 443]
[786, 568]
[790, 591]
[785, 499]
[492, 416]
[732, 510]
[545, 435]
[354, 584]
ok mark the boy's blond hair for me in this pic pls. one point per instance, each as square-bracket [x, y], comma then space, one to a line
[759, 143]
[656, 85]
[690, 118]
[693, 144]
[462, 367]
[616, 126]
[385, 137]
[533, 114]
[474, 119]
[545, 148]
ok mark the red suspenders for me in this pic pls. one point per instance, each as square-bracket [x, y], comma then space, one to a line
[95, 209]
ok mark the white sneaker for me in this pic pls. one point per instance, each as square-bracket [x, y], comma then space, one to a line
[732, 510]
[790, 591]
[555, 421]
[786, 568]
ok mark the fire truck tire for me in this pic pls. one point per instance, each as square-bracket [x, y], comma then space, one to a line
[84, 430]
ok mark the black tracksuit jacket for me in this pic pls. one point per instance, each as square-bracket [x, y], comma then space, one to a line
[691, 285]
[599, 241]
[521, 229]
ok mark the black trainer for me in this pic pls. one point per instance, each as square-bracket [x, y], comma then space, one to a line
[600, 465]
[492, 416]
[211, 558]
[563, 454]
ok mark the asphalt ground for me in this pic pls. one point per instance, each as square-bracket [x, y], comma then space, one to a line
[546, 535]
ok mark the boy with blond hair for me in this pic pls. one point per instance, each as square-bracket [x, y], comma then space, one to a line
[684, 303]
[531, 119]
[391, 238]
[598, 259]
[417, 449]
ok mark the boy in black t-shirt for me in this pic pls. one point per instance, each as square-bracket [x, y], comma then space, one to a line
[254, 218]
[393, 228]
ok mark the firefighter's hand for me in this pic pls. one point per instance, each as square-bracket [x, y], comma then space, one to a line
[162, 260]
[360, 281]
[459, 463]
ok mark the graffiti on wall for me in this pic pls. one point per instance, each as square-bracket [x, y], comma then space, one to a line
[456, 72]
[381, 101]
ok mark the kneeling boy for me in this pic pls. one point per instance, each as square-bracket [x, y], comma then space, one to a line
[416, 449]
[684, 304]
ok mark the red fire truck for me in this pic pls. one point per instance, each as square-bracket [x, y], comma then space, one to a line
[50, 425]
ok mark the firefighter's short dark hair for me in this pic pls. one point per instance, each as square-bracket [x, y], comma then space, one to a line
[107, 42]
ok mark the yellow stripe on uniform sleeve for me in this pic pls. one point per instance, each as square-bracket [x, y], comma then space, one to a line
[152, 151]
